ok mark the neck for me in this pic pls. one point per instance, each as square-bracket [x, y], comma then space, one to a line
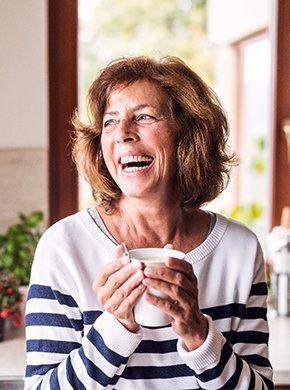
[142, 224]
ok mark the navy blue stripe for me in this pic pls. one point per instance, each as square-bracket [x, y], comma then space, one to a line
[216, 371]
[53, 382]
[91, 316]
[41, 369]
[257, 360]
[233, 381]
[153, 372]
[39, 291]
[52, 346]
[114, 380]
[248, 337]
[45, 292]
[71, 376]
[253, 380]
[268, 382]
[49, 319]
[259, 289]
[111, 356]
[235, 310]
[93, 371]
[225, 311]
[149, 346]
[252, 313]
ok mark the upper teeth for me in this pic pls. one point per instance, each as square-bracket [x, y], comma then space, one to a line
[128, 159]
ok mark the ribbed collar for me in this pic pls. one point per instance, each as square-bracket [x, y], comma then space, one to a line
[194, 256]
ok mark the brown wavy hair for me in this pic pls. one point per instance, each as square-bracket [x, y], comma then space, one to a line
[204, 160]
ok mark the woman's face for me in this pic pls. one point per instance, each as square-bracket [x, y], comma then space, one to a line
[139, 139]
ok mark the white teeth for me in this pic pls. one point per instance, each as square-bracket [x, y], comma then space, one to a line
[129, 159]
[133, 169]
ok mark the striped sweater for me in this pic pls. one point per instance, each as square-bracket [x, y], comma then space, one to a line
[72, 343]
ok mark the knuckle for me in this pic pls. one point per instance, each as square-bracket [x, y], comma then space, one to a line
[120, 294]
[101, 298]
[126, 308]
[176, 290]
[179, 278]
[113, 281]
[95, 287]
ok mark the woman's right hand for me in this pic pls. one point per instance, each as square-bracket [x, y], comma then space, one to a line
[118, 287]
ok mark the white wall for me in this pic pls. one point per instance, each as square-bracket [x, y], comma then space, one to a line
[23, 108]
[23, 73]
[231, 20]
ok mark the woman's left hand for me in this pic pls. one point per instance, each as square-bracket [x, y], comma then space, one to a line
[179, 282]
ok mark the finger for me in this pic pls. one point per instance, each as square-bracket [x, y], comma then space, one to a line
[178, 274]
[119, 252]
[125, 297]
[105, 273]
[179, 265]
[112, 267]
[180, 291]
[176, 285]
[115, 280]
[121, 277]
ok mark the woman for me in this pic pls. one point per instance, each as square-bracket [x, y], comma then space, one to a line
[154, 153]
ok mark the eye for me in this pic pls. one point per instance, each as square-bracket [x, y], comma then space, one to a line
[109, 122]
[146, 118]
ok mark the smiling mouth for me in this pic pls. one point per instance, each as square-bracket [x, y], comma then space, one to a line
[135, 163]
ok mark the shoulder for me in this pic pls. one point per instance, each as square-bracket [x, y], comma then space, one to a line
[234, 226]
[237, 234]
[65, 230]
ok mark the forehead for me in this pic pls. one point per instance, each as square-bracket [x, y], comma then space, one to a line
[140, 91]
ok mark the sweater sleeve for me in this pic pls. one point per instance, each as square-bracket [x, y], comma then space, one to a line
[236, 359]
[70, 347]
[59, 356]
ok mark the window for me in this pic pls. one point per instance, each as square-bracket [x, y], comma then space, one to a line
[254, 130]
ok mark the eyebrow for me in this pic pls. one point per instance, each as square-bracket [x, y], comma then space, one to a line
[136, 108]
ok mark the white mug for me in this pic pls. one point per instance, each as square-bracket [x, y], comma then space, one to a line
[145, 313]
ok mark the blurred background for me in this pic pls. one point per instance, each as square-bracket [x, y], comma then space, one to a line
[52, 51]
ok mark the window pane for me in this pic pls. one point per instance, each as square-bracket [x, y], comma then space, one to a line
[254, 131]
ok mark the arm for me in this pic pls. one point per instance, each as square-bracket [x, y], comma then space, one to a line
[68, 348]
[234, 358]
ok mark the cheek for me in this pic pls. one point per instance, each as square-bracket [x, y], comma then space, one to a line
[106, 146]
[107, 155]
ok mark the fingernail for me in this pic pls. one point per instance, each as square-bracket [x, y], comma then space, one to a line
[149, 271]
[125, 260]
[139, 275]
[136, 264]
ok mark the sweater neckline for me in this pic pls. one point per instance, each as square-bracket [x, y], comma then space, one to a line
[194, 256]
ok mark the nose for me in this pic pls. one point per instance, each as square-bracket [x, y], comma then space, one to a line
[126, 131]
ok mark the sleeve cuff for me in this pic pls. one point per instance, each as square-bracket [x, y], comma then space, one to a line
[208, 354]
[116, 336]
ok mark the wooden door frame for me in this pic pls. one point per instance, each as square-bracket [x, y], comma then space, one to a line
[62, 36]
[280, 196]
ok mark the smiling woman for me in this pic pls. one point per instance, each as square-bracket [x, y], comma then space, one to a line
[139, 139]
[154, 152]
[169, 92]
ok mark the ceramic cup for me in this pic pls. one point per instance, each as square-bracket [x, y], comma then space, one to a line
[145, 313]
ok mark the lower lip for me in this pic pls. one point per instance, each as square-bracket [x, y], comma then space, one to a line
[138, 171]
